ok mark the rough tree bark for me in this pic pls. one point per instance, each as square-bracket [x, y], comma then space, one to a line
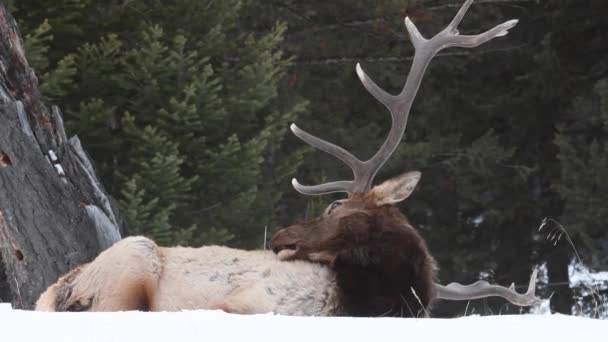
[54, 213]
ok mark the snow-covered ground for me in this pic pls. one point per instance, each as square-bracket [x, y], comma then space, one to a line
[17, 325]
[582, 276]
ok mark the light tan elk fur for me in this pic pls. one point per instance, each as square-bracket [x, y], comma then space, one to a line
[360, 258]
[136, 274]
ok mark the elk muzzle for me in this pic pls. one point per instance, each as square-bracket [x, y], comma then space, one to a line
[284, 243]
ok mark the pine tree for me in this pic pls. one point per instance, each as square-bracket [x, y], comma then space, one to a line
[185, 117]
[583, 155]
[582, 144]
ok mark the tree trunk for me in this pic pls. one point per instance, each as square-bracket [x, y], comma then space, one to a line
[4, 289]
[54, 213]
[562, 300]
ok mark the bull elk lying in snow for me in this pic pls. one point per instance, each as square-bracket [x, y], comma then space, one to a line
[360, 258]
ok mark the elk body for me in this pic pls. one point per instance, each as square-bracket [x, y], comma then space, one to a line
[360, 258]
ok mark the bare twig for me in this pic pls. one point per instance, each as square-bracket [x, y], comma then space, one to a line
[385, 59]
[426, 313]
[18, 291]
[554, 236]
[265, 235]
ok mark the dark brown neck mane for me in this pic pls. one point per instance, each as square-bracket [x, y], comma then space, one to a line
[381, 261]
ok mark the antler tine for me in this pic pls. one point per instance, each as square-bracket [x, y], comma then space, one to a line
[458, 17]
[381, 95]
[336, 151]
[328, 147]
[482, 289]
[400, 105]
[326, 188]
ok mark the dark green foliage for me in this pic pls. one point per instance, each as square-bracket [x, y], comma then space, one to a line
[583, 155]
[183, 118]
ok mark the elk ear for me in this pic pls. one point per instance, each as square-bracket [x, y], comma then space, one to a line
[395, 189]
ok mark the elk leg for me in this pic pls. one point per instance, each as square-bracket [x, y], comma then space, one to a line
[123, 277]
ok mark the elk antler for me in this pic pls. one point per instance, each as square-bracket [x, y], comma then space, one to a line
[482, 289]
[399, 106]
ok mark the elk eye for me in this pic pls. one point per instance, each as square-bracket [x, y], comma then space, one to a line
[333, 206]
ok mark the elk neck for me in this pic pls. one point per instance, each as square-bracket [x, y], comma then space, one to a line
[383, 266]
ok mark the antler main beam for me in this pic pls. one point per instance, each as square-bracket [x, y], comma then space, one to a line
[399, 106]
[482, 289]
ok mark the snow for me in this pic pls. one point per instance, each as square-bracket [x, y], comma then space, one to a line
[17, 325]
[582, 276]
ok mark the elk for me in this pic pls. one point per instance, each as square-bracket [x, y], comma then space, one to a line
[361, 257]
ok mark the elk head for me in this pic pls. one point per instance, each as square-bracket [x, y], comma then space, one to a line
[366, 229]
[321, 239]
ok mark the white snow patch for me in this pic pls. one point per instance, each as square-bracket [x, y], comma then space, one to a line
[580, 275]
[477, 220]
[59, 169]
[543, 308]
[53, 156]
[17, 325]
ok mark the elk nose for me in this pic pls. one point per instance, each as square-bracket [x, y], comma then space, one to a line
[275, 242]
[283, 239]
